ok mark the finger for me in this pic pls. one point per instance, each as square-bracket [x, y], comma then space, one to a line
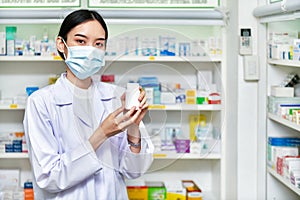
[130, 120]
[123, 97]
[125, 117]
[145, 106]
[142, 95]
[129, 113]
[143, 102]
[117, 112]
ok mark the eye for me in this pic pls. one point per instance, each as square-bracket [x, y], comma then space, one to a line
[100, 44]
[82, 42]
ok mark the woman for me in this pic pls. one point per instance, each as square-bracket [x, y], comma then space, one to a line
[82, 142]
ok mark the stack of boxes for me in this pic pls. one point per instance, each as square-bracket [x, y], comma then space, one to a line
[152, 88]
[13, 142]
[10, 45]
[284, 157]
[283, 46]
[150, 190]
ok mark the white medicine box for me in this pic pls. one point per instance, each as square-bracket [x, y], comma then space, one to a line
[278, 91]
[2, 43]
[9, 179]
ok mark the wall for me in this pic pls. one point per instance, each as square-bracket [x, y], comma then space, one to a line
[231, 103]
[247, 159]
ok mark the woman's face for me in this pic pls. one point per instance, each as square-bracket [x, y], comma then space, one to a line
[89, 33]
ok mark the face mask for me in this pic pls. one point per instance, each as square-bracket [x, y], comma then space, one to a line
[84, 61]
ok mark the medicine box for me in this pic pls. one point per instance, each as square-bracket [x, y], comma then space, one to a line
[275, 102]
[28, 191]
[290, 163]
[281, 151]
[137, 192]
[149, 94]
[2, 43]
[182, 145]
[136, 189]
[193, 192]
[278, 91]
[156, 190]
[175, 190]
[9, 179]
[194, 122]
[167, 98]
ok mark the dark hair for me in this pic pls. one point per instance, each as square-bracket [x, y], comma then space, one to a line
[77, 17]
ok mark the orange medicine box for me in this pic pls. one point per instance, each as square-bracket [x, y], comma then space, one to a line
[193, 192]
[28, 191]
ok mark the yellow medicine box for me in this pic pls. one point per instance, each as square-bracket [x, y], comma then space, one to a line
[191, 93]
[195, 121]
[190, 100]
[137, 192]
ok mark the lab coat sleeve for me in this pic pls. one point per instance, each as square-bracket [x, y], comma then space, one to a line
[133, 165]
[54, 169]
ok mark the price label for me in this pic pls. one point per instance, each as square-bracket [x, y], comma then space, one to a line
[39, 3]
[154, 3]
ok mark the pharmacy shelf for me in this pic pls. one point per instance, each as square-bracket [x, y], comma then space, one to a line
[174, 155]
[284, 122]
[13, 155]
[164, 59]
[290, 63]
[186, 107]
[8, 107]
[175, 107]
[121, 58]
[285, 181]
[158, 155]
[30, 58]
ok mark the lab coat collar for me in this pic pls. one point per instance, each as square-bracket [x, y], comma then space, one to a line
[103, 96]
[63, 94]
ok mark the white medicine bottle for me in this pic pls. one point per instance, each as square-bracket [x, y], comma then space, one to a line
[132, 96]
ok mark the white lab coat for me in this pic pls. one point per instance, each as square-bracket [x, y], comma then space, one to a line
[64, 164]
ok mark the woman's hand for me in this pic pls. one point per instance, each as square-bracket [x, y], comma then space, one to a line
[143, 105]
[115, 123]
[133, 131]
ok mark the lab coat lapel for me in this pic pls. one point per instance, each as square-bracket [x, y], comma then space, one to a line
[84, 117]
[103, 106]
[63, 96]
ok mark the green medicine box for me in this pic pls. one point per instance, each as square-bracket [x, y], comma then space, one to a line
[156, 190]
[10, 32]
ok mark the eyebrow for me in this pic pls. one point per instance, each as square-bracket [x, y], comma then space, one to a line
[78, 34]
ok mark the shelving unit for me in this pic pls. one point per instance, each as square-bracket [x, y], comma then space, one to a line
[121, 58]
[204, 169]
[273, 72]
[157, 155]
[209, 171]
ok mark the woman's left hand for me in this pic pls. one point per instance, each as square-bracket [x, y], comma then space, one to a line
[143, 105]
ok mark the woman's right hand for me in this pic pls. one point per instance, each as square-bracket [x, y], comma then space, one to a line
[113, 124]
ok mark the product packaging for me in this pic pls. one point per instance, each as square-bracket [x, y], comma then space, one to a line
[132, 96]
